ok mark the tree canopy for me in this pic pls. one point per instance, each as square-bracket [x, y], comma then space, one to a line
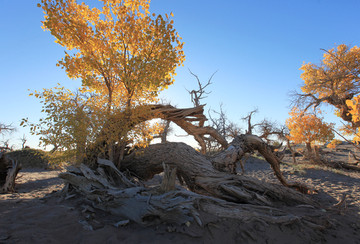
[119, 50]
[334, 81]
[308, 128]
[123, 55]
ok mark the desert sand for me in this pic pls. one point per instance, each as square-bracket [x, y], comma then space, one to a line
[38, 213]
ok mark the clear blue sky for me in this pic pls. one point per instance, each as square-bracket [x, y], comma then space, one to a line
[257, 47]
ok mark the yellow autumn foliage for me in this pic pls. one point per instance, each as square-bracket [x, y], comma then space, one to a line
[123, 55]
[336, 75]
[334, 143]
[119, 50]
[308, 128]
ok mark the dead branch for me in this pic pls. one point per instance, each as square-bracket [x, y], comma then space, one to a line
[248, 120]
[6, 128]
[197, 95]
[9, 169]
[149, 206]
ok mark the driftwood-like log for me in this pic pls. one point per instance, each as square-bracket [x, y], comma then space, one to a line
[328, 162]
[149, 206]
[200, 173]
[9, 169]
[340, 165]
[109, 191]
[183, 118]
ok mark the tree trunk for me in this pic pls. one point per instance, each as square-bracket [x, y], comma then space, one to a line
[8, 172]
[309, 149]
[203, 174]
[181, 117]
[291, 150]
[111, 191]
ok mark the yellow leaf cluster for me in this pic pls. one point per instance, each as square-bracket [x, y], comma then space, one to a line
[308, 128]
[354, 108]
[336, 75]
[120, 50]
[333, 144]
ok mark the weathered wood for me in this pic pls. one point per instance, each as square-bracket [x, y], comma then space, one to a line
[340, 165]
[168, 182]
[184, 118]
[9, 169]
[200, 176]
[149, 206]
[136, 203]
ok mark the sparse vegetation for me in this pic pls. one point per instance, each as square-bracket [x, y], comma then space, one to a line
[36, 158]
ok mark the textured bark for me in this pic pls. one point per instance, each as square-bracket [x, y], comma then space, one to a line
[184, 118]
[8, 171]
[202, 174]
[107, 188]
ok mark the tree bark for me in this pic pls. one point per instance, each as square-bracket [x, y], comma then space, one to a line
[181, 117]
[109, 190]
[9, 169]
[210, 175]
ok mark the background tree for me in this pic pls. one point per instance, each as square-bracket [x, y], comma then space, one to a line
[308, 128]
[73, 120]
[226, 128]
[164, 129]
[334, 81]
[6, 128]
[23, 140]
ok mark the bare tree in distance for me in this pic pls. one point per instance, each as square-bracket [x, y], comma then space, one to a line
[6, 128]
[283, 135]
[224, 126]
[23, 140]
[6, 145]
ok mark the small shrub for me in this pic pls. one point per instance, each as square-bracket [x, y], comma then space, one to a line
[333, 144]
[36, 158]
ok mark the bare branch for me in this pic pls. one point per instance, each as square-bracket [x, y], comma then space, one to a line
[23, 140]
[6, 128]
[197, 95]
[248, 120]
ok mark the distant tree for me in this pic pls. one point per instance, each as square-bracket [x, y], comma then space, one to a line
[333, 144]
[164, 130]
[6, 128]
[6, 145]
[23, 140]
[308, 128]
[226, 128]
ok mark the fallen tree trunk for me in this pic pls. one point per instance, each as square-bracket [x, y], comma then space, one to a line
[340, 165]
[184, 118]
[201, 173]
[110, 191]
[9, 169]
[327, 161]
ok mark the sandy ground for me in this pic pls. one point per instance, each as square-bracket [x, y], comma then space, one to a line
[36, 213]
